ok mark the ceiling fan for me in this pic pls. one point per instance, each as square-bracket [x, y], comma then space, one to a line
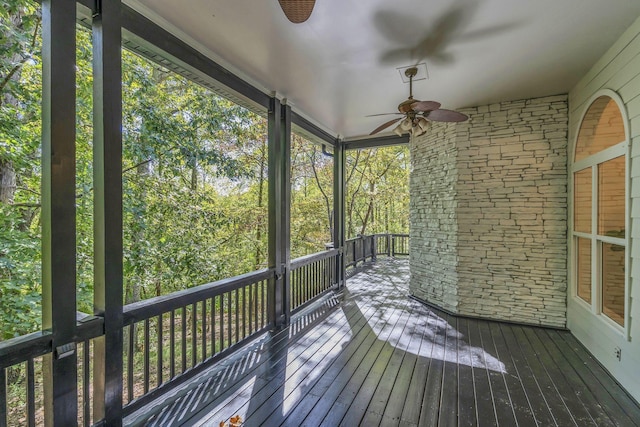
[297, 11]
[417, 114]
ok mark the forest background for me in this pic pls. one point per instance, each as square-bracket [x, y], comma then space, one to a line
[194, 180]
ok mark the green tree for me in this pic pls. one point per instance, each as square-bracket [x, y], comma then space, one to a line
[19, 167]
[377, 196]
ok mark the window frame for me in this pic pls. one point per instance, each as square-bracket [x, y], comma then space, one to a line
[593, 161]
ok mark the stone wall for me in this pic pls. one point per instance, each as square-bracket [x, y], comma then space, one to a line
[494, 231]
[433, 242]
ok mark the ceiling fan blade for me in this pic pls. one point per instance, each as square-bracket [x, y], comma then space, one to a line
[425, 106]
[385, 125]
[443, 115]
[382, 114]
[297, 11]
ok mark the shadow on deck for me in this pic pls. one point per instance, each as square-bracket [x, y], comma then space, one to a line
[373, 356]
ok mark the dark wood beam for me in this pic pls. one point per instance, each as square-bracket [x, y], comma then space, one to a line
[279, 129]
[107, 178]
[311, 128]
[339, 158]
[58, 209]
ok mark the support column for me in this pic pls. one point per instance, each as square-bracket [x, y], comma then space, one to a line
[58, 209]
[279, 129]
[107, 177]
[339, 158]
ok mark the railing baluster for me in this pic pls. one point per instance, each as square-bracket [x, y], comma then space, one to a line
[263, 308]
[31, 391]
[160, 350]
[194, 334]
[309, 282]
[130, 362]
[212, 326]
[86, 378]
[183, 338]
[314, 279]
[300, 274]
[301, 286]
[327, 273]
[172, 344]
[294, 288]
[230, 330]
[146, 356]
[314, 283]
[295, 292]
[355, 255]
[250, 309]
[204, 330]
[237, 312]
[257, 304]
[309, 269]
[221, 322]
[245, 314]
[3, 397]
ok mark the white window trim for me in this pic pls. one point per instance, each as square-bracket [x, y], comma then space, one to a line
[620, 149]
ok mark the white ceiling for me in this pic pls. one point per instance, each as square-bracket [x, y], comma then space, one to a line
[341, 64]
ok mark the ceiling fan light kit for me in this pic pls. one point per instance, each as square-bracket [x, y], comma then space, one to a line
[417, 114]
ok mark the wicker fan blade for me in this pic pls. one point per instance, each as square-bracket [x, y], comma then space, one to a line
[443, 115]
[385, 125]
[425, 106]
[297, 11]
[382, 114]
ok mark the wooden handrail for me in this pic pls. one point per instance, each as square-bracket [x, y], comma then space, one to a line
[156, 306]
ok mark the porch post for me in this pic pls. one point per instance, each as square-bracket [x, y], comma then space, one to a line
[285, 212]
[107, 177]
[58, 209]
[338, 208]
[279, 129]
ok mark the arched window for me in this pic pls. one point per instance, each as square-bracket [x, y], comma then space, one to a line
[599, 210]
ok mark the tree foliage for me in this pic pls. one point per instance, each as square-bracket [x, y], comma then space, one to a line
[377, 196]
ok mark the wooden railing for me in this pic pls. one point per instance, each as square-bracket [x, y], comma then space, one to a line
[167, 339]
[170, 339]
[311, 277]
[22, 363]
[367, 248]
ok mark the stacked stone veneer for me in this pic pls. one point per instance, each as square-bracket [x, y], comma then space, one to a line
[488, 213]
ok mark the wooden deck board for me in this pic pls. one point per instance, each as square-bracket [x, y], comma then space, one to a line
[413, 405]
[481, 385]
[499, 393]
[380, 358]
[519, 400]
[466, 393]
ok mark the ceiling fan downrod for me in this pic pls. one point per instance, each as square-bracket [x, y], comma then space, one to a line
[411, 73]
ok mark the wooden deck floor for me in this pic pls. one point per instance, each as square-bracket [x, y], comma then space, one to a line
[381, 358]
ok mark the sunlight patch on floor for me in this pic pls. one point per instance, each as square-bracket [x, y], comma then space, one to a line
[385, 289]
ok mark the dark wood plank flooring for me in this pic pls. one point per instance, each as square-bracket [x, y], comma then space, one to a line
[375, 357]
